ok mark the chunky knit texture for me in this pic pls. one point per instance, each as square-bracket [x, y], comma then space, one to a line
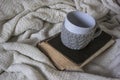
[23, 23]
[75, 41]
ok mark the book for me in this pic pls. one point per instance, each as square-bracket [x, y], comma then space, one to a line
[67, 59]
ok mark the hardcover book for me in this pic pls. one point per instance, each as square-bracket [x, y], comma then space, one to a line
[68, 59]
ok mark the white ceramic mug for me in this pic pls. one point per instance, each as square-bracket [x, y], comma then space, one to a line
[78, 30]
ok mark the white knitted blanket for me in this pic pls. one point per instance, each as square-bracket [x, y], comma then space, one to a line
[23, 23]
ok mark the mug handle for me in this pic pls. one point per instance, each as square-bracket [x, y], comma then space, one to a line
[97, 32]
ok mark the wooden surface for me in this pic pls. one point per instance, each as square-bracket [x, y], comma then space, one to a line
[79, 56]
[62, 62]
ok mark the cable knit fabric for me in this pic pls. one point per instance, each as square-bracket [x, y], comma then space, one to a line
[23, 23]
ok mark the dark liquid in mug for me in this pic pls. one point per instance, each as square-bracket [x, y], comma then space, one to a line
[74, 19]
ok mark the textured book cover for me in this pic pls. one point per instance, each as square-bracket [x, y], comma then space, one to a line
[65, 58]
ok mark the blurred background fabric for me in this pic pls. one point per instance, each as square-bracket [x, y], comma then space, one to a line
[23, 23]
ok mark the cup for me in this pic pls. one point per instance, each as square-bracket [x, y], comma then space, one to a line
[78, 30]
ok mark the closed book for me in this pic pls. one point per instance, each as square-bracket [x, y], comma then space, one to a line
[68, 59]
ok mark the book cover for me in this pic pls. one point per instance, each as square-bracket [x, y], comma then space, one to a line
[68, 59]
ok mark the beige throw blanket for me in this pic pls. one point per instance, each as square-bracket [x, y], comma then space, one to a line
[23, 23]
